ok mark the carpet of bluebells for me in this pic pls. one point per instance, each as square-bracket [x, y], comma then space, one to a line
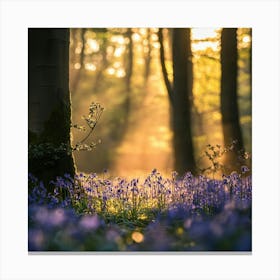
[97, 213]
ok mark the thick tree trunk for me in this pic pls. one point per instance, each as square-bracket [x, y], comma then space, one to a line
[182, 87]
[229, 105]
[49, 108]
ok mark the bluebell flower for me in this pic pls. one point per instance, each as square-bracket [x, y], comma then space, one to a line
[90, 222]
[244, 169]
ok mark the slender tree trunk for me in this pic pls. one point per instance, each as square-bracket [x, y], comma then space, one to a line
[182, 87]
[73, 35]
[129, 67]
[250, 65]
[250, 81]
[49, 107]
[163, 67]
[229, 106]
[104, 62]
[129, 70]
[147, 57]
[197, 121]
[77, 78]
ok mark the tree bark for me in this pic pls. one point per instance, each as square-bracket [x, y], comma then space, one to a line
[229, 105]
[49, 107]
[163, 67]
[182, 90]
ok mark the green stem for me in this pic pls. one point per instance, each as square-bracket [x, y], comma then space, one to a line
[97, 119]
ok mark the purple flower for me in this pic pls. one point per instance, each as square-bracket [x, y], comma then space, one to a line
[57, 216]
[90, 222]
[244, 169]
[36, 239]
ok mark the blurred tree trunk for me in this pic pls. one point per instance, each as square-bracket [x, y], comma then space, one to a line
[196, 117]
[49, 107]
[163, 66]
[250, 85]
[73, 34]
[182, 91]
[104, 61]
[147, 52]
[129, 65]
[229, 103]
[129, 69]
[250, 66]
[77, 77]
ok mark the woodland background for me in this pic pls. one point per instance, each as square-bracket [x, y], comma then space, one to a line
[175, 99]
[130, 72]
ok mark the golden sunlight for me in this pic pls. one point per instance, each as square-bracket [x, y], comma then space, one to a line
[138, 237]
[200, 36]
[246, 39]
[111, 71]
[93, 45]
[90, 67]
[117, 64]
[200, 46]
[77, 66]
[120, 73]
[119, 51]
[204, 33]
[136, 37]
[118, 39]
[143, 31]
